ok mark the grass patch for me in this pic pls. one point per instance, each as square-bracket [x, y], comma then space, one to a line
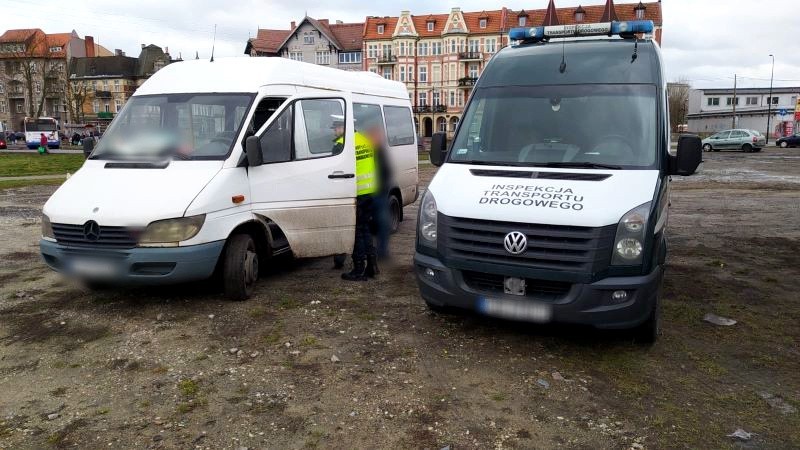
[498, 397]
[287, 303]
[12, 184]
[102, 411]
[308, 341]
[257, 312]
[188, 387]
[24, 164]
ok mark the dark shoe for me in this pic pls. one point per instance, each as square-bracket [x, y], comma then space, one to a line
[358, 273]
[372, 267]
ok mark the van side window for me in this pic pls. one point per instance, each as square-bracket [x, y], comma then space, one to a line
[315, 135]
[399, 127]
[369, 120]
[276, 142]
[265, 109]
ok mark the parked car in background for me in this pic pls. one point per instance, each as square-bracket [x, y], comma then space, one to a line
[739, 139]
[788, 141]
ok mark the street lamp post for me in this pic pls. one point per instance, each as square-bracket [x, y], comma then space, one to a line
[769, 98]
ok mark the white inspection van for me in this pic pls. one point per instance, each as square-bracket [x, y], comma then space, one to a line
[551, 203]
[217, 166]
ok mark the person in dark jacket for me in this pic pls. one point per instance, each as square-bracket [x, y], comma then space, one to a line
[381, 213]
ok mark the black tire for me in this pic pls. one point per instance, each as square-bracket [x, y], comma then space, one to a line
[747, 148]
[240, 267]
[647, 333]
[784, 144]
[756, 150]
[395, 214]
[440, 309]
[707, 147]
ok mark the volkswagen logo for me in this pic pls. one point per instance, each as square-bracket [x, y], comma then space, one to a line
[91, 231]
[515, 242]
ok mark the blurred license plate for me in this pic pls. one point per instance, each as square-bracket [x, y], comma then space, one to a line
[93, 268]
[516, 309]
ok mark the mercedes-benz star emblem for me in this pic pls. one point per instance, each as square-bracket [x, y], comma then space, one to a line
[515, 242]
[91, 231]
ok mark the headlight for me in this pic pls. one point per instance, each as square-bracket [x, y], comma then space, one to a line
[629, 242]
[171, 231]
[428, 215]
[47, 228]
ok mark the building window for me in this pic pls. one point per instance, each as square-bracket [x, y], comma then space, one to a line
[117, 105]
[482, 23]
[639, 13]
[387, 50]
[423, 99]
[2, 106]
[436, 48]
[95, 107]
[308, 37]
[20, 105]
[436, 73]
[387, 72]
[713, 101]
[453, 124]
[37, 87]
[296, 56]
[423, 74]
[2, 89]
[380, 29]
[522, 20]
[474, 46]
[350, 58]
[372, 51]
[323, 58]
[107, 107]
[491, 45]
[579, 16]
[473, 70]
[430, 26]
[402, 73]
[56, 49]
[774, 100]
[752, 100]
[423, 49]
[436, 99]
[730, 101]
[116, 86]
[441, 124]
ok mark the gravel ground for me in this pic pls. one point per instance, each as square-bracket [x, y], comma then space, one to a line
[311, 362]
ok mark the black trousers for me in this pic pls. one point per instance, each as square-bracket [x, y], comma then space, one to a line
[364, 245]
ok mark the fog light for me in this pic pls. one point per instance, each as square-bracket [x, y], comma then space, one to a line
[619, 296]
[430, 273]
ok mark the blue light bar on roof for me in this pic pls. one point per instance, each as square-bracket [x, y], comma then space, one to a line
[536, 34]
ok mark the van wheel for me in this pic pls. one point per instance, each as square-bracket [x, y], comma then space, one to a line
[395, 214]
[707, 147]
[439, 309]
[240, 267]
[747, 148]
[647, 333]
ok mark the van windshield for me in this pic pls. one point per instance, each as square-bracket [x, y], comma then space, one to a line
[183, 126]
[612, 125]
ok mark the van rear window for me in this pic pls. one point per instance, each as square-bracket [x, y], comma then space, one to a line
[399, 127]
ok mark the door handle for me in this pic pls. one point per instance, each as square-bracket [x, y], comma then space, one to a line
[336, 175]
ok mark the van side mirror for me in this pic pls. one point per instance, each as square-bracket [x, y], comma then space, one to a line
[252, 147]
[688, 156]
[438, 149]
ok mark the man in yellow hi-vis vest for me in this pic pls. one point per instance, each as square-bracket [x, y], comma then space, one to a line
[366, 187]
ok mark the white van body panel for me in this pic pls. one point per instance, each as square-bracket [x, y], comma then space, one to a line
[129, 197]
[459, 193]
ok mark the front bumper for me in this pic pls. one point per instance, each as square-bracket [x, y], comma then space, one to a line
[135, 266]
[583, 303]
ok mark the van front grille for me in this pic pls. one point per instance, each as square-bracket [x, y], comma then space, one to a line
[107, 237]
[489, 283]
[573, 249]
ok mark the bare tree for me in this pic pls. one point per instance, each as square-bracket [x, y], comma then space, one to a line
[77, 93]
[678, 101]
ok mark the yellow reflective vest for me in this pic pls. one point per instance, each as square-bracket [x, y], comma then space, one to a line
[366, 171]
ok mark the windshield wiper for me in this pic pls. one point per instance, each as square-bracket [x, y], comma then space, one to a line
[580, 164]
[483, 163]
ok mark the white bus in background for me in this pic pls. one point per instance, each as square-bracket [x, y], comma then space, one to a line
[216, 167]
[34, 127]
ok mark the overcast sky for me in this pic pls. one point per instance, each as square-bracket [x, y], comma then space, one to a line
[705, 41]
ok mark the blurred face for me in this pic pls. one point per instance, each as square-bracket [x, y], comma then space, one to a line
[338, 130]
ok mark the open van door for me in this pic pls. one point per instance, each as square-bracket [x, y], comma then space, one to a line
[302, 174]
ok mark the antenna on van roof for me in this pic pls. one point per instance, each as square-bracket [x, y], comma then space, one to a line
[213, 42]
[563, 66]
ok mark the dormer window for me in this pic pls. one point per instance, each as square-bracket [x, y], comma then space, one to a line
[579, 14]
[380, 29]
[639, 10]
[56, 49]
[522, 20]
[430, 26]
[482, 23]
